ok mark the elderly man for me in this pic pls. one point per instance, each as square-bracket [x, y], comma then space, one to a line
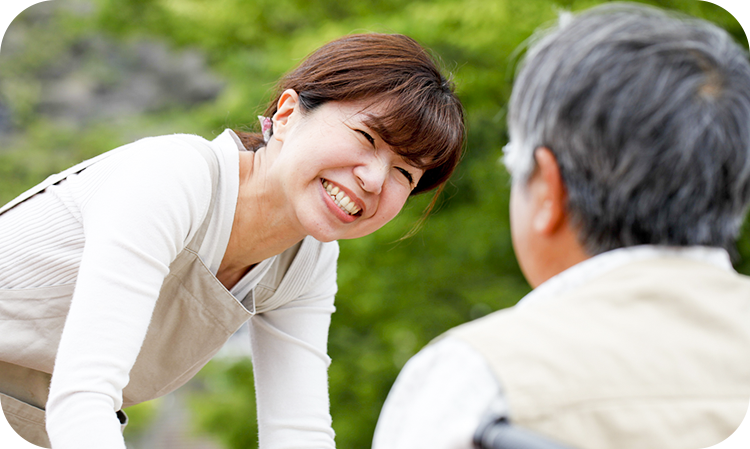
[630, 157]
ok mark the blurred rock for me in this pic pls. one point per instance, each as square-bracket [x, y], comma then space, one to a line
[46, 70]
[101, 79]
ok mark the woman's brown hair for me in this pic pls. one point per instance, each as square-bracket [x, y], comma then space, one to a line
[422, 119]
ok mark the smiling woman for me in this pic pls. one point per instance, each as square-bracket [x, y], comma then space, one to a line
[122, 276]
[332, 147]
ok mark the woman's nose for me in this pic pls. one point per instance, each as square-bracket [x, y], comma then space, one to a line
[372, 174]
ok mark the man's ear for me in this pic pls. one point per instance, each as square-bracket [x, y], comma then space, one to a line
[286, 111]
[549, 189]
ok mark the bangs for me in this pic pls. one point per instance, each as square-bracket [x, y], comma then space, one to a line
[427, 130]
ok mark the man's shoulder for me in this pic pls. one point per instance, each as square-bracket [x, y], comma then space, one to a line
[660, 289]
[660, 280]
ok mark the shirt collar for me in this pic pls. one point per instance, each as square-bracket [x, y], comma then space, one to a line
[611, 260]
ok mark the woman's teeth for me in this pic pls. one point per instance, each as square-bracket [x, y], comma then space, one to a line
[340, 198]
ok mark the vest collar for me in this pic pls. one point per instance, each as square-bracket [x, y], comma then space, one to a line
[611, 260]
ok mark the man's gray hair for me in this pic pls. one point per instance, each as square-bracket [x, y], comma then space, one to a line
[648, 116]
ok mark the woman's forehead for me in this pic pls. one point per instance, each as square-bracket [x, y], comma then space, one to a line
[354, 111]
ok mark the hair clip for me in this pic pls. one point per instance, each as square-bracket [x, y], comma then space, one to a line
[266, 126]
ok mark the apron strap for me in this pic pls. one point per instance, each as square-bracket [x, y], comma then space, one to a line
[53, 179]
[213, 166]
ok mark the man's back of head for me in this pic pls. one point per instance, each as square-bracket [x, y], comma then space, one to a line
[648, 117]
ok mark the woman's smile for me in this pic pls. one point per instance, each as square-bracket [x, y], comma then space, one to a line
[341, 198]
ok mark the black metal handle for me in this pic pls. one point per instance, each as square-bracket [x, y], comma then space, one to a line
[500, 434]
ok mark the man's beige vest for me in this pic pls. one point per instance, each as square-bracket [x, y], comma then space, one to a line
[655, 355]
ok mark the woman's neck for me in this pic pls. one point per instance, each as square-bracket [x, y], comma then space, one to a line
[261, 228]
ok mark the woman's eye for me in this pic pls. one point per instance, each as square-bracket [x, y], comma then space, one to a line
[406, 174]
[367, 136]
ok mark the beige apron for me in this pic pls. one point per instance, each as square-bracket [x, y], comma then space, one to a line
[193, 317]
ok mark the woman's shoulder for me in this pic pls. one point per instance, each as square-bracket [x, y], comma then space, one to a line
[191, 150]
[227, 140]
[161, 173]
[170, 155]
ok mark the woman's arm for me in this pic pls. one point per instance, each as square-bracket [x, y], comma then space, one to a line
[290, 363]
[138, 208]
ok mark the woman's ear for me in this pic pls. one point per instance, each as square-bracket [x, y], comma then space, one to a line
[287, 110]
[550, 191]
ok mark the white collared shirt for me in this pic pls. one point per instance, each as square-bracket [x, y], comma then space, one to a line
[441, 394]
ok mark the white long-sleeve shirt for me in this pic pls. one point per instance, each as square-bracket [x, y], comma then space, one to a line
[113, 230]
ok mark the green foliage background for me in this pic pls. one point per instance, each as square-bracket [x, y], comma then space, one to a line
[394, 295]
